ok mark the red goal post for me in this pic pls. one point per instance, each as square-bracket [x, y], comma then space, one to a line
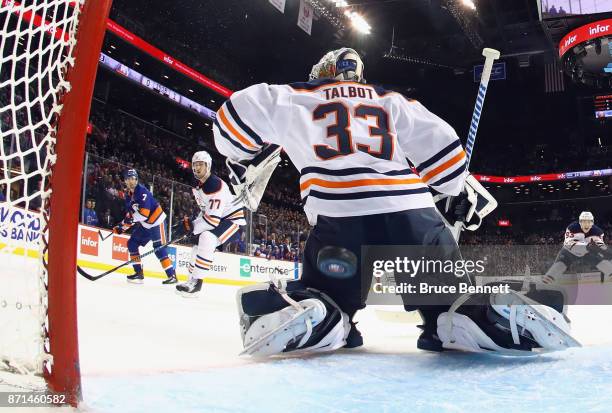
[59, 212]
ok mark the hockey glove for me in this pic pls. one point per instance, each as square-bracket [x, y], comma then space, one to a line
[599, 249]
[470, 206]
[118, 229]
[250, 178]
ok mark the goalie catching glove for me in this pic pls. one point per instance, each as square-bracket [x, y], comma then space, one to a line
[469, 207]
[250, 178]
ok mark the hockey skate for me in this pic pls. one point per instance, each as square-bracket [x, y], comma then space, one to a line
[190, 288]
[170, 280]
[136, 278]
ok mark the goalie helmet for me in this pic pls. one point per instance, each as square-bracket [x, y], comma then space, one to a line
[340, 64]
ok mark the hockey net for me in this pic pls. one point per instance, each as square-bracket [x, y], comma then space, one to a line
[39, 115]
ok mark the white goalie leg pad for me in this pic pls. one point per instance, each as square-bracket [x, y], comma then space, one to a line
[459, 332]
[334, 340]
[547, 326]
[271, 333]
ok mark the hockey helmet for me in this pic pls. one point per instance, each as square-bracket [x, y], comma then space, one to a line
[202, 156]
[586, 221]
[130, 173]
[340, 64]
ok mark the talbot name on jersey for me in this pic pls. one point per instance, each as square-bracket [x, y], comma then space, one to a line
[346, 91]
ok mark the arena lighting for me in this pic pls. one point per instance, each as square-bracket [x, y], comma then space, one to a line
[469, 4]
[339, 3]
[358, 22]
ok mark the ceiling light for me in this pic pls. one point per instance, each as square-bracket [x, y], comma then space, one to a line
[469, 4]
[358, 22]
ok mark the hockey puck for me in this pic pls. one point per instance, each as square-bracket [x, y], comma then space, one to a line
[337, 262]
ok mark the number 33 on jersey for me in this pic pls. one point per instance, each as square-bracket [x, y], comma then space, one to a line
[350, 142]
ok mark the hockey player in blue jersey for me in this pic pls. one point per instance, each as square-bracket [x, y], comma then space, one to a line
[147, 220]
[583, 243]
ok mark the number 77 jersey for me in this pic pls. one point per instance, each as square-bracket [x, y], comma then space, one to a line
[351, 143]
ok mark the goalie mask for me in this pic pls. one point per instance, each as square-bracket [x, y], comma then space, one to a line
[341, 64]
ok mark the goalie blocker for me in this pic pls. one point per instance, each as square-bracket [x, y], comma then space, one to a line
[469, 207]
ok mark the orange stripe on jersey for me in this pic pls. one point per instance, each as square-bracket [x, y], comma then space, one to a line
[162, 233]
[144, 212]
[211, 218]
[238, 214]
[228, 233]
[438, 170]
[233, 131]
[154, 215]
[357, 182]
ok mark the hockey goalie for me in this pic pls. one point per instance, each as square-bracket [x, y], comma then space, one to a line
[354, 144]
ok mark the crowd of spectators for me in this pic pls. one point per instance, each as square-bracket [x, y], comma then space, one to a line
[501, 160]
[120, 141]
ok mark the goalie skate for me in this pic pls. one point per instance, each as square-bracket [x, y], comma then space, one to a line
[271, 333]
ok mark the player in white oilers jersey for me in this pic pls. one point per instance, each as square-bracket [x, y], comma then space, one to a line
[219, 219]
[351, 142]
[584, 242]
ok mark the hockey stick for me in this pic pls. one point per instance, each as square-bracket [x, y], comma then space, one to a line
[97, 277]
[490, 56]
[102, 237]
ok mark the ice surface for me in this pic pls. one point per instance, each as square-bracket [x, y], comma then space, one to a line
[146, 349]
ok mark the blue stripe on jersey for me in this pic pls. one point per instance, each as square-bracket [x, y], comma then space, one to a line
[352, 171]
[243, 125]
[450, 176]
[363, 195]
[438, 155]
[233, 141]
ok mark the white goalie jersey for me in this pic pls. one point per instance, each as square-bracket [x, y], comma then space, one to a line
[351, 142]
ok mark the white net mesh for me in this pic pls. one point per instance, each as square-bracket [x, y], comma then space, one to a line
[36, 45]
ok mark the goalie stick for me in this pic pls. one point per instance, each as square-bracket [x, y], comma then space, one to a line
[97, 277]
[490, 56]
